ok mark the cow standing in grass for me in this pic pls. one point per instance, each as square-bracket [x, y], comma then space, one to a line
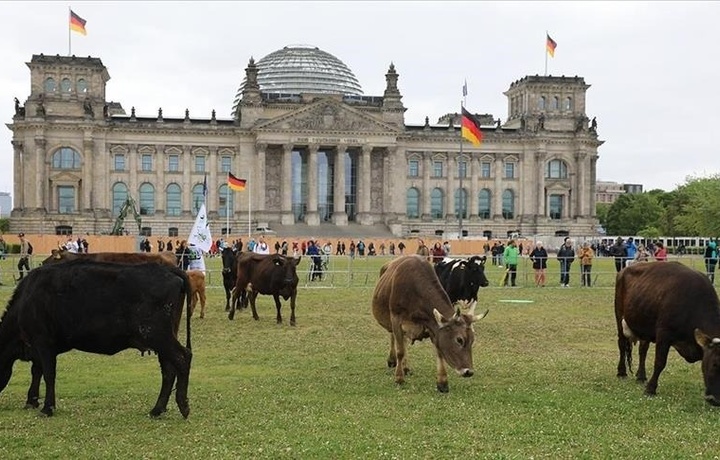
[270, 274]
[229, 274]
[410, 303]
[462, 278]
[674, 306]
[97, 308]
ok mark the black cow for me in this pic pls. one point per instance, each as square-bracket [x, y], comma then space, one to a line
[461, 278]
[674, 306]
[102, 308]
[273, 275]
[229, 273]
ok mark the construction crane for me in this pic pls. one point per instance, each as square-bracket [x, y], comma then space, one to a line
[127, 206]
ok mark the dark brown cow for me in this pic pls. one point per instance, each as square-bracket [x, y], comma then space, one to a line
[674, 306]
[272, 274]
[197, 291]
[411, 304]
[168, 258]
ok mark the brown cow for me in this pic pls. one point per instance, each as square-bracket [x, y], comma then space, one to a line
[197, 291]
[166, 257]
[411, 304]
[271, 274]
[674, 306]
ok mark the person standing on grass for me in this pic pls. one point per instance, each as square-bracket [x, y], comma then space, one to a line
[538, 257]
[511, 256]
[619, 252]
[660, 252]
[566, 256]
[586, 258]
[711, 259]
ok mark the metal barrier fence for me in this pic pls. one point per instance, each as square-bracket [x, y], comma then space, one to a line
[363, 272]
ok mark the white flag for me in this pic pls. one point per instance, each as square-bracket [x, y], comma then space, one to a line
[200, 233]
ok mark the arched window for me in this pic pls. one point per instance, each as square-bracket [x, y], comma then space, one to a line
[173, 204]
[119, 196]
[556, 169]
[508, 204]
[555, 103]
[461, 202]
[568, 103]
[147, 199]
[66, 158]
[436, 203]
[50, 85]
[197, 198]
[541, 103]
[226, 202]
[484, 202]
[65, 85]
[81, 86]
[412, 200]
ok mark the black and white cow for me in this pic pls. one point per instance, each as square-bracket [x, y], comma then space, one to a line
[461, 278]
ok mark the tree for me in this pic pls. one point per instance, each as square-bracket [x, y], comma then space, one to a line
[697, 204]
[633, 212]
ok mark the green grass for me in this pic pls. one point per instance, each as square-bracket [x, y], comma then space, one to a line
[544, 387]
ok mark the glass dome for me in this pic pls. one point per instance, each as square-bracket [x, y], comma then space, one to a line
[297, 69]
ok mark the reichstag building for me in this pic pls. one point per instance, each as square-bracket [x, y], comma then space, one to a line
[314, 149]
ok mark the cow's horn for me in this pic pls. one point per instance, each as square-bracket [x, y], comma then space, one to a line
[481, 316]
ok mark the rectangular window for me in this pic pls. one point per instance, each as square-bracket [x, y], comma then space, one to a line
[462, 169]
[485, 169]
[413, 168]
[509, 170]
[225, 163]
[66, 199]
[437, 168]
[200, 163]
[556, 206]
[173, 163]
[146, 162]
[173, 231]
[120, 162]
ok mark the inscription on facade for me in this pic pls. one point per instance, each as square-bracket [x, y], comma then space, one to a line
[329, 140]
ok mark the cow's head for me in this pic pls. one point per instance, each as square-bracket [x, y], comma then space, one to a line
[284, 273]
[228, 260]
[456, 335]
[476, 273]
[710, 366]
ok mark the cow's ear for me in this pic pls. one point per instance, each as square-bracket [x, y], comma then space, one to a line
[439, 318]
[703, 339]
[297, 260]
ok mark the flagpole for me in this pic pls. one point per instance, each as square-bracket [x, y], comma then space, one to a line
[249, 211]
[69, 31]
[547, 34]
[227, 212]
[460, 190]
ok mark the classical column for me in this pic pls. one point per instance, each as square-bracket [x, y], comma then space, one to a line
[312, 217]
[19, 175]
[425, 202]
[212, 201]
[473, 206]
[258, 190]
[133, 162]
[581, 190]
[40, 176]
[159, 179]
[84, 202]
[365, 183]
[452, 170]
[287, 217]
[187, 198]
[497, 193]
[540, 199]
[395, 183]
[339, 216]
[593, 181]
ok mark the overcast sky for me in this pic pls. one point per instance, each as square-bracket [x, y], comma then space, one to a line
[653, 66]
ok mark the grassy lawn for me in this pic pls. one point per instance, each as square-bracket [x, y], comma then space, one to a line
[544, 386]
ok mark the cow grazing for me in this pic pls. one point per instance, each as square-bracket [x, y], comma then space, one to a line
[97, 308]
[462, 278]
[197, 290]
[674, 306]
[229, 273]
[271, 274]
[410, 303]
[167, 257]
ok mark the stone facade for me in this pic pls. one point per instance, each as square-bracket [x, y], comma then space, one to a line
[321, 159]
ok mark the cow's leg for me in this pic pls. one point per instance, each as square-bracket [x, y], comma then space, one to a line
[33, 394]
[193, 303]
[622, 349]
[662, 348]
[251, 296]
[442, 378]
[176, 359]
[227, 299]
[168, 374]
[643, 347]
[201, 293]
[292, 308]
[392, 357]
[399, 338]
[278, 306]
[49, 369]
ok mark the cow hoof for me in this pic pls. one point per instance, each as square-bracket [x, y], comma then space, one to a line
[292, 323]
[649, 392]
[185, 410]
[32, 404]
[641, 379]
[392, 364]
[202, 316]
[622, 376]
[407, 371]
[157, 412]
[443, 387]
[47, 411]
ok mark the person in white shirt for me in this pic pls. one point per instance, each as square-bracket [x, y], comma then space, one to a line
[71, 245]
[262, 247]
[196, 261]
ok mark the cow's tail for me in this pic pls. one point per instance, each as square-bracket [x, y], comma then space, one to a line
[624, 342]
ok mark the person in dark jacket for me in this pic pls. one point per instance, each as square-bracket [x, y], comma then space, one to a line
[711, 259]
[619, 252]
[538, 257]
[566, 256]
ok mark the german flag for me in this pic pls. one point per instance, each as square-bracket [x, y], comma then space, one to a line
[77, 23]
[471, 128]
[551, 45]
[236, 184]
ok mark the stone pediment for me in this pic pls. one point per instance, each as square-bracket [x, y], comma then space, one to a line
[327, 115]
[65, 177]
